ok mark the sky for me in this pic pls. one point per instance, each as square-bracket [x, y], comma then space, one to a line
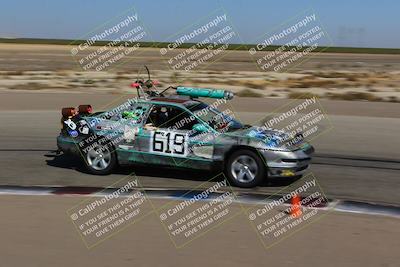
[354, 23]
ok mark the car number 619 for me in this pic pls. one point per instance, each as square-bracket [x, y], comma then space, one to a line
[169, 143]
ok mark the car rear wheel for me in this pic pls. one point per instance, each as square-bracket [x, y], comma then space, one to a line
[100, 160]
[245, 169]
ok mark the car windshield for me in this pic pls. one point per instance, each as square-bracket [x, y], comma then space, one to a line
[220, 121]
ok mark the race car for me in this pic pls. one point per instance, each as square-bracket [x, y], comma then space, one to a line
[179, 130]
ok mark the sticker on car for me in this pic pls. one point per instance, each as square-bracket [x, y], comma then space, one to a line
[169, 143]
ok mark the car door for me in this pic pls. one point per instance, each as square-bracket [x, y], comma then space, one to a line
[169, 138]
[131, 122]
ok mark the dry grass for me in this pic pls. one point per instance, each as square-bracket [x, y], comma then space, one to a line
[14, 73]
[337, 85]
[301, 95]
[248, 93]
[29, 86]
[393, 99]
[310, 82]
[255, 84]
[353, 96]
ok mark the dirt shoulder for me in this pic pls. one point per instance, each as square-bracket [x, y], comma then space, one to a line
[25, 101]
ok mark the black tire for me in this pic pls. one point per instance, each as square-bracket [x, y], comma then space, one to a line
[247, 159]
[106, 154]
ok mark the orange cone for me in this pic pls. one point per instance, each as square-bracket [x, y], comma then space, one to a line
[295, 211]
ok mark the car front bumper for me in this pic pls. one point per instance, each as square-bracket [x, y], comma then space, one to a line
[287, 163]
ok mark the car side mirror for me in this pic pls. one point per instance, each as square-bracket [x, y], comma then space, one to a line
[200, 128]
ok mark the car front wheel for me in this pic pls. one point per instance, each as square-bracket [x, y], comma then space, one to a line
[245, 169]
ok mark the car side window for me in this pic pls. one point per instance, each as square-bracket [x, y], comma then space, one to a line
[164, 116]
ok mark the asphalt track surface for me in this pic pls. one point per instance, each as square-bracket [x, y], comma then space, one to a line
[357, 160]
[36, 233]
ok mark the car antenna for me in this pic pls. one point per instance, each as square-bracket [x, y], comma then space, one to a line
[145, 87]
[148, 73]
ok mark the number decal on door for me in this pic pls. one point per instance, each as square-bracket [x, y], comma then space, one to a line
[169, 143]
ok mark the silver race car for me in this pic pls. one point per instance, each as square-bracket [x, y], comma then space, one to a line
[178, 130]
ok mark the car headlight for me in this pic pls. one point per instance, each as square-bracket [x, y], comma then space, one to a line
[273, 143]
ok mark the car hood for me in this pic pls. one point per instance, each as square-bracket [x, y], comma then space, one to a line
[273, 138]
